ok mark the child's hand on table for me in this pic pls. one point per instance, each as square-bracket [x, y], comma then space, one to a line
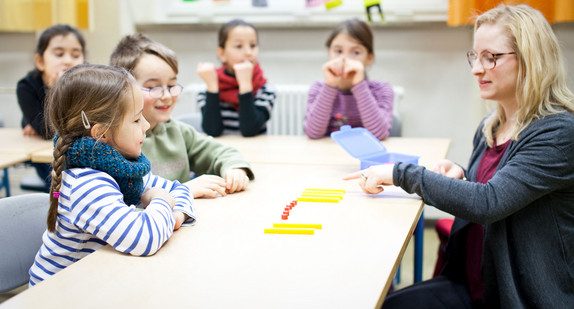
[29, 131]
[180, 217]
[207, 186]
[156, 192]
[236, 180]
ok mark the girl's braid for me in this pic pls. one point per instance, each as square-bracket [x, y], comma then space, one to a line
[59, 164]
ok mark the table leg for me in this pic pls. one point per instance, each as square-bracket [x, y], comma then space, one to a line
[6, 182]
[419, 238]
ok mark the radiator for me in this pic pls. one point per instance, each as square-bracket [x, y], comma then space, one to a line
[289, 110]
[286, 117]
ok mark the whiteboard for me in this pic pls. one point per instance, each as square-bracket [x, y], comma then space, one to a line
[293, 12]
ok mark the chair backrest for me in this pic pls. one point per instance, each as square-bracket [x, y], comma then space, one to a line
[397, 128]
[22, 223]
[193, 119]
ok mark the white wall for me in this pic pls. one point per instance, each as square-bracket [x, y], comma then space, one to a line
[427, 59]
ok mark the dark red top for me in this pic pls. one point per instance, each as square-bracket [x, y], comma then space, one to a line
[474, 238]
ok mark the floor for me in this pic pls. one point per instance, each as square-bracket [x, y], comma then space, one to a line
[431, 241]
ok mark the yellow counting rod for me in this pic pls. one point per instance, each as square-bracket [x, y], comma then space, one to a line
[314, 194]
[289, 231]
[325, 190]
[318, 199]
[298, 226]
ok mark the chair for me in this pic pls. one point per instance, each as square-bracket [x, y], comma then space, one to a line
[22, 223]
[442, 227]
[397, 128]
[193, 119]
[33, 183]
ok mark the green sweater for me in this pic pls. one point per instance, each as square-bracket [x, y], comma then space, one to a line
[176, 149]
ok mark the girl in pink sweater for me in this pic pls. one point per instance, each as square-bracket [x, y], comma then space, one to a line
[347, 96]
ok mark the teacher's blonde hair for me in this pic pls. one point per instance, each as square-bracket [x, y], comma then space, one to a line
[541, 83]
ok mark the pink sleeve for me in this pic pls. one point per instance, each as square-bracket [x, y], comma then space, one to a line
[375, 104]
[319, 108]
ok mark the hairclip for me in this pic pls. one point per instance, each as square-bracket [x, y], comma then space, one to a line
[85, 121]
[56, 194]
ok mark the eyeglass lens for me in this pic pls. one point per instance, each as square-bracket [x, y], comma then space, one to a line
[157, 92]
[487, 59]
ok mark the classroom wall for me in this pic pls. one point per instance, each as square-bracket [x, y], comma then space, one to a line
[426, 59]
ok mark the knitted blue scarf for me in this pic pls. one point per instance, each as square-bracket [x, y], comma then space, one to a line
[87, 152]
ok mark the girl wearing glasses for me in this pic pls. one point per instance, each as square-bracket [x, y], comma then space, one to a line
[238, 98]
[512, 242]
[175, 149]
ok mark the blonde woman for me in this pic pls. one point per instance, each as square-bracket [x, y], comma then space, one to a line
[512, 244]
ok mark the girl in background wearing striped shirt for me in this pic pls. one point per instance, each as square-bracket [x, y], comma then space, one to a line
[347, 96]
[100, 174]
[238, 98]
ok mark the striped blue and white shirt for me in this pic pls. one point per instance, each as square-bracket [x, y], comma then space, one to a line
[224, 118]
[92, 214]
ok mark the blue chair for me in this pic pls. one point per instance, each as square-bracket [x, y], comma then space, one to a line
[33, 183]
[22, 223]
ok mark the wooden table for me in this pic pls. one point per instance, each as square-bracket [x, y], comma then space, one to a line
[301, 150]
[225, 259]
[7, 160]
[43, 156]
[14, 142]
[16, 148]
[10, 159]
[283, 149]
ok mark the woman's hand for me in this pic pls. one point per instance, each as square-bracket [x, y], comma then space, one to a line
[374, 178]
[207, 72]
[236, 180]
[206, 186]
[244, 76]
[449, 169]
[156, 192]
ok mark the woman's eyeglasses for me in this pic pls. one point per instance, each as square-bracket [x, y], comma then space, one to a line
[487, 59]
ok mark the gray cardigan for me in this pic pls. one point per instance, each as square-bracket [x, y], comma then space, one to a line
[527, 209]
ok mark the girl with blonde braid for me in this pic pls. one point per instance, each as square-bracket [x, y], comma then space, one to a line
[100, 175]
